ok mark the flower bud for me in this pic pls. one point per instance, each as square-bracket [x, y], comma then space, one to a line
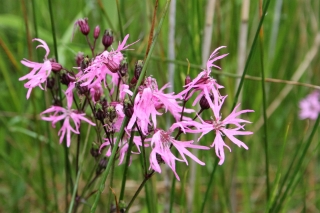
[133, 82]
[187, 80]
[94, 152]
[99, 114]
[112, 66]
[96, 32]
[79, 58]
[111, 114]
[128, 108]
[83, 90]
[102, 165]
[66, 78]
[56, 67]
[83, 25]
[104, 103]
[84, 63]
[50, 82]
[138, 68]
[123, 67]
[107, 39]
[204, 104]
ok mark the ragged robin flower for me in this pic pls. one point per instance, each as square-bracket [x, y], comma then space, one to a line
[40, 71]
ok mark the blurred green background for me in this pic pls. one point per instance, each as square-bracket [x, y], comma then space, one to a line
[287, 51]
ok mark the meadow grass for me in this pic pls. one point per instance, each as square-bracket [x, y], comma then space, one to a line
[280, 171]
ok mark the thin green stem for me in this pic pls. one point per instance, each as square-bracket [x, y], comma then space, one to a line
[74, 193]
[78, 152]
[43, 176]
[53, 31]
[109, 200]
[265, 126]
[119, 19]
[250, 54]
[139, 189]
[286, 176]
[144, 162]
[125, 172]
[299, 164]
[173, 187]
[209, 185]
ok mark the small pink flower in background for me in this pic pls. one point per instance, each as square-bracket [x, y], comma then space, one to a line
[60, 113]
[220, 127]
[162, 141]
[310, 106]
[40, 71]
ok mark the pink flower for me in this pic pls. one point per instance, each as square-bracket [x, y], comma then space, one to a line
[107, 63]
[96, 92]
[40, 71]
[161, 153]
[147, 103]
[60, 113]
[310, 106]
[212, 58]
[206, 85]
[220, 127]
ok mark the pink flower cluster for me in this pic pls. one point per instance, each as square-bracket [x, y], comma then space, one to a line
[102, 84]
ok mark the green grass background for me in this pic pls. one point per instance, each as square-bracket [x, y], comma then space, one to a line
[28, 175]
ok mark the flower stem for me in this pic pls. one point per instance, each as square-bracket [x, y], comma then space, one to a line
[250, 54]
[109, 200]
[264, 105]
[147, 177]
[143, 150]
[209, 186]
[125, 172]
[53, 31]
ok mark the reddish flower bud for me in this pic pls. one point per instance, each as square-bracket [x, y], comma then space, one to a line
[94, 152]
[79, 58]
[83, 90]
[102, 165]
[187, 80]
[204, 104]
[66, 78]
[50, 82]
[107, 39]
[124, 67]
[96, 32]
[56, 67]
[128, 108]
[84, 63]
[133, 82]
[83, 25]
[112, 66]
